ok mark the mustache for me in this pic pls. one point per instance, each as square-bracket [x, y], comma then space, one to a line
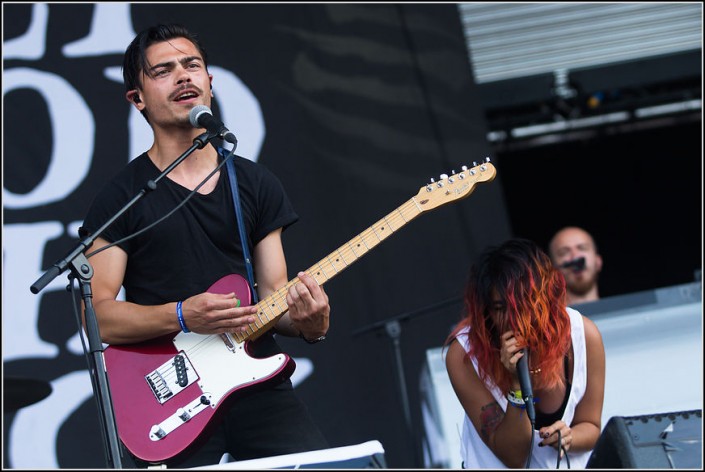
[185, 88]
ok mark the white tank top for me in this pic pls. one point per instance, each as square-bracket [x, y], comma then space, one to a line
[476, 454]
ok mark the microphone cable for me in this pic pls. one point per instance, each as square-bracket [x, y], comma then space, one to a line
[565, 453]
[531, 448]
[231, 153]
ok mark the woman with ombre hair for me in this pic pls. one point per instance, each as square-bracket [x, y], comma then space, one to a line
[515, 307]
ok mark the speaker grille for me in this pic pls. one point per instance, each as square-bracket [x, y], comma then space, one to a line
[658, 441]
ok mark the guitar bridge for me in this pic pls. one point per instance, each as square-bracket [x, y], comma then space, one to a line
[171, 378]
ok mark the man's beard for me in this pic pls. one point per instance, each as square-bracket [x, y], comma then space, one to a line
[582, 287]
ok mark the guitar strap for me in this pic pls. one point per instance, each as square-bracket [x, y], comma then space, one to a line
[240, 224]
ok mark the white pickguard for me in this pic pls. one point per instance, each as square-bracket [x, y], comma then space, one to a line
[222, 369]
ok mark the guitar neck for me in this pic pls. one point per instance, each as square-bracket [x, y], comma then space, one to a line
[274, 306]
[430, 196]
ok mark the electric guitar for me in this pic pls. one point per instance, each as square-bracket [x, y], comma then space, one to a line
[167, 392]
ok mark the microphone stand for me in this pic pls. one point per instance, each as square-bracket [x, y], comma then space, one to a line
[81, 269]
[392, 327]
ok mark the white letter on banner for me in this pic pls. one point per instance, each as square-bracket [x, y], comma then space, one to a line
[241, 112]
[23, 253]
[31, 45]
[111, 32]
[71, 155]
[34, 432]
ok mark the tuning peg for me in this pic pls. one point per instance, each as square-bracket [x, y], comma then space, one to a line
[487, 159]
[474, 163]
[446, 176]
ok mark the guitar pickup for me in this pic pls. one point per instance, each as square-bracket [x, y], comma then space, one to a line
[171, 378]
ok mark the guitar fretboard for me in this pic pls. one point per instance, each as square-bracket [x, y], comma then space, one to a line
[429, 197]
[274, 306]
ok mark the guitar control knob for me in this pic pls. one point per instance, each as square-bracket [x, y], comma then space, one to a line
[183, 414]
[156, 432]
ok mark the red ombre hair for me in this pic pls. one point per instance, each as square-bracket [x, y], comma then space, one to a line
[533, 291]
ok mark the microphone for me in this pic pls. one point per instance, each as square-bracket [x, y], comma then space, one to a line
[527, 392]
[201, 116]
[575, 264]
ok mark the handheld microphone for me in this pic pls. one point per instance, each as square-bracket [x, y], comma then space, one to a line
[575, 264]
[527, 392]
[201, 116]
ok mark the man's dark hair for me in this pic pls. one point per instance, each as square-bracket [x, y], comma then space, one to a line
[135, 60]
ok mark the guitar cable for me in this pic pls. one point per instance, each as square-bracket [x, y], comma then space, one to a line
[188, 197]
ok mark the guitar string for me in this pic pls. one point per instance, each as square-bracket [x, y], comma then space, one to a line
[369, 238]
[364, 238]
[346, 249]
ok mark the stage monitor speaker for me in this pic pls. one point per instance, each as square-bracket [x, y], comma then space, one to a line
[660, 441]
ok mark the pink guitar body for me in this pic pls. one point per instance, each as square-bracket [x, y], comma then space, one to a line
[167, 392]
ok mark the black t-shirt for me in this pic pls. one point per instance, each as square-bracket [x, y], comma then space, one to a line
[196, 245]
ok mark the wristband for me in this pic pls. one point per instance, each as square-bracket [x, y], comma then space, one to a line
[180, 316]
[514, 398]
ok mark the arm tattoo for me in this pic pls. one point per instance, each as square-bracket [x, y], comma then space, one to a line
[490, 417]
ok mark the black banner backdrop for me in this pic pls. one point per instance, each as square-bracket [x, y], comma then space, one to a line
[355, 107]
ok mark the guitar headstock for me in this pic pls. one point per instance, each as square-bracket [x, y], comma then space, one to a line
[454, 187]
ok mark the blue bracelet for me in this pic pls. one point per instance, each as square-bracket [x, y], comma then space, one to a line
[180, 315]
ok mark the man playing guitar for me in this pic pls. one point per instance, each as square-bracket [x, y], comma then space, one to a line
[168, 272]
